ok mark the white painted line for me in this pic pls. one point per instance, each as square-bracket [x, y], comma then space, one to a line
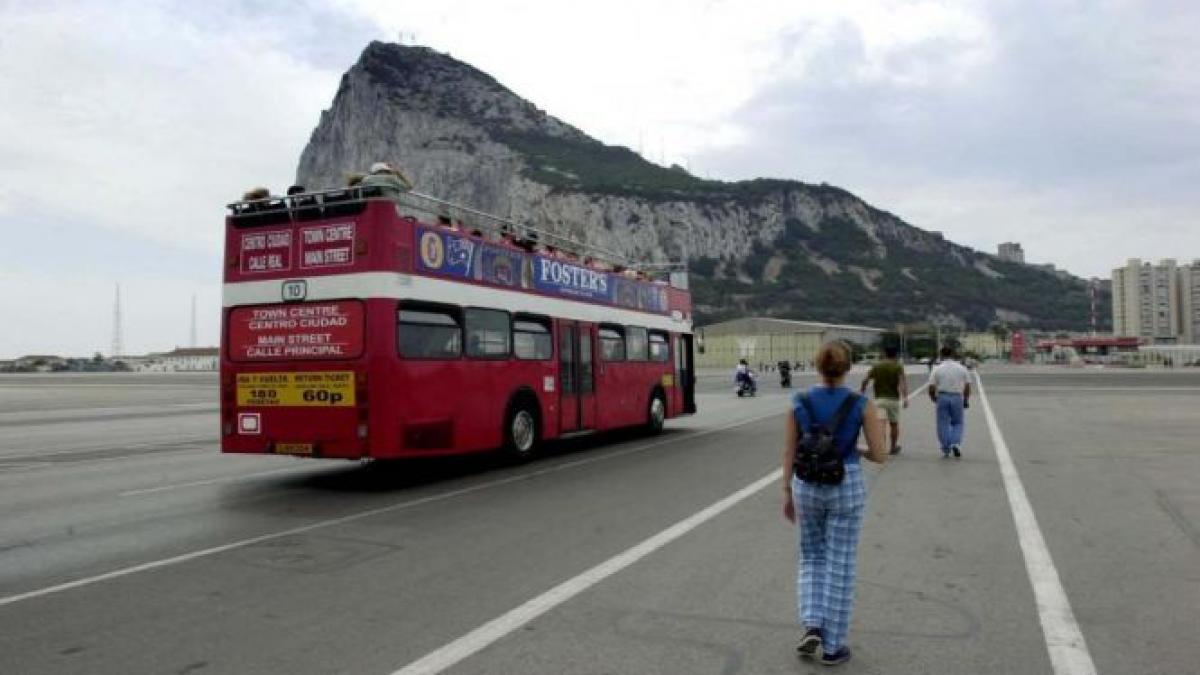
[1035, 388]
[214, 481]
[177, 444]
[101, 413]
[1068, 651]
[175, 560]
[448, 655]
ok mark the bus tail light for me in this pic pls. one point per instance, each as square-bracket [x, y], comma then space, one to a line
[227, 381]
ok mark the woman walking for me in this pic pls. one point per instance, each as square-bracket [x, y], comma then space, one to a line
[830, 512]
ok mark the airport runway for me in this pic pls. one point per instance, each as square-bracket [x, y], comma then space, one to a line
[128, 544]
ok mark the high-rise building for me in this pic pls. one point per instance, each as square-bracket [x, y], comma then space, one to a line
[1010, 251]
[1146, 301]
[1189, 296]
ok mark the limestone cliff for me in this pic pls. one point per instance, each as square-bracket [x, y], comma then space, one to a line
[774, 247]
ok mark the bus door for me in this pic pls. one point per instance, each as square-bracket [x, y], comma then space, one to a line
[576, 376]
[685, 374]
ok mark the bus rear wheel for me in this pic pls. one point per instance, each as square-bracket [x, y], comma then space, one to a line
[521, 431]
[656, 416]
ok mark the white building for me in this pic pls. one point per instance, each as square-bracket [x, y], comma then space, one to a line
[190, 359]
[1189, 301]
[1147, 301]
[1011, 251]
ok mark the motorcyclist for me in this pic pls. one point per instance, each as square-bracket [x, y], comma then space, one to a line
[743, 377]
[785, 374]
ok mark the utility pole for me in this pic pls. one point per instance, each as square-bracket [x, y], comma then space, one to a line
[118, 345]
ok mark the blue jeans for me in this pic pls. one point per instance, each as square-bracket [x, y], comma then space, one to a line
[949, 420]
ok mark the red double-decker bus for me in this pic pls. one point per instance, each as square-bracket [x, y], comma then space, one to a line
[363, 325]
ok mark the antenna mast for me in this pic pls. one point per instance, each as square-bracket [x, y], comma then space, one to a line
[118, 346]
[192, 335]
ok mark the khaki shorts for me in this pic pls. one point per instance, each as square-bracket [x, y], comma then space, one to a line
[889, 409]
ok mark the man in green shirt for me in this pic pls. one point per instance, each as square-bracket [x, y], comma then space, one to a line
[891, 393]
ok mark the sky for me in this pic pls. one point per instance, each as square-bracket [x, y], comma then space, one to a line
[1072, 127]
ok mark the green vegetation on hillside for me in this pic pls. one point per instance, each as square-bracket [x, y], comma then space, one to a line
[911, 286]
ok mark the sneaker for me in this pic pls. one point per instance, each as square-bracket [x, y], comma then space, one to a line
[945, 454]
[810, 644]
[837, 658]
[895, 451]
[957, 451]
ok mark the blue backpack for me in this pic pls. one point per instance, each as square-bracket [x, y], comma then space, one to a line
[818, 457]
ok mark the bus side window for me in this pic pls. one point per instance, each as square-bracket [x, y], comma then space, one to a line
[429, 332]
[612, 343]
[531, 338]
[487, 333]
[659, 349]
[635, 343]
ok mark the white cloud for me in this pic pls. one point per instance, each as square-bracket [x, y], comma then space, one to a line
[128, 116]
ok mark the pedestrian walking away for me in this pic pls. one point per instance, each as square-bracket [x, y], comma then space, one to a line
[825, 495]
[891, 393]
[950, 391]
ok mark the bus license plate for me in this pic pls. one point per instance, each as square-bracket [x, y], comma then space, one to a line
[305, 449]
[321, 389]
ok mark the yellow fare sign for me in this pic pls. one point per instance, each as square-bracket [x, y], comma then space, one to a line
[317, 389]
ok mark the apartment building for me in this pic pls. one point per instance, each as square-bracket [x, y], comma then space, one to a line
[1189, 301]
[1148, 303]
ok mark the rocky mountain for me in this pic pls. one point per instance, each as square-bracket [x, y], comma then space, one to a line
[768, 247]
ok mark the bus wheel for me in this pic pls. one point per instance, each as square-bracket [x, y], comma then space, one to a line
[521, 431]
[657, 415]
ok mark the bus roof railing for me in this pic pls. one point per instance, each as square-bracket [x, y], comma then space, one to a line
[324, 203]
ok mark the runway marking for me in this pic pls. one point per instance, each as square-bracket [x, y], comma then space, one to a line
[213, 481]
[452, 653]
[101, 414]
[242, 543]
[177, 445]
[1068, 650]
[1035, 388]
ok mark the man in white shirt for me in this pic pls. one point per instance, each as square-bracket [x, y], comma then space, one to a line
[950, 390]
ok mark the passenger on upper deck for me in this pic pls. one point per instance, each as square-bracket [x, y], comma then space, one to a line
[388, 178]
[256, 196]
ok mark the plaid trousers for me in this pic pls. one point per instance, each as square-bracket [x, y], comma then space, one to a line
[830, 519]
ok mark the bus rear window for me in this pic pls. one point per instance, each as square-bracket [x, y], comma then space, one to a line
[429, 333]
[302, 331]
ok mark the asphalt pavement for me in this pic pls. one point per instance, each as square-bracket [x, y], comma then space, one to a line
[128, 544]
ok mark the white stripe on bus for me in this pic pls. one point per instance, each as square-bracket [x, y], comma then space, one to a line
[394, 285]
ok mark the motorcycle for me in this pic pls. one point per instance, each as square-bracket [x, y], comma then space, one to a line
[746, 385]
